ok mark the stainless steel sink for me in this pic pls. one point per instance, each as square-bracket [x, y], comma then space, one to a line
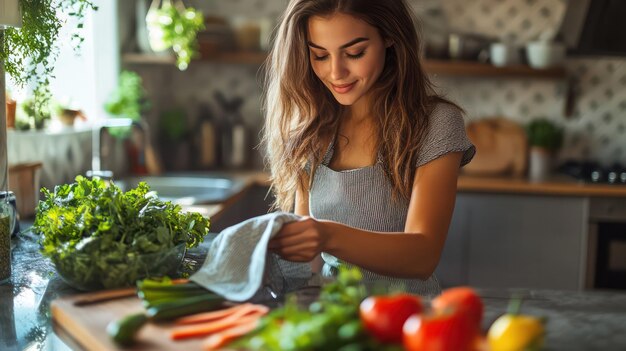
[186, 190]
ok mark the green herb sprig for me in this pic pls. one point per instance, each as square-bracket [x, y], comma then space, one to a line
[331, 323]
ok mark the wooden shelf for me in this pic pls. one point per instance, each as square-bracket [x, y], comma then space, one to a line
[242, 57]
[438, 67]
[448, 68]
[476, 69]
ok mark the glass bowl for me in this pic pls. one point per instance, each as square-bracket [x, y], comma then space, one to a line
[108, 270]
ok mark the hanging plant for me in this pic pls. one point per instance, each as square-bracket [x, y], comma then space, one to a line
[30, 52]
[172, 25]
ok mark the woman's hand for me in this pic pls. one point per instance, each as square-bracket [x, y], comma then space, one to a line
[299, 241]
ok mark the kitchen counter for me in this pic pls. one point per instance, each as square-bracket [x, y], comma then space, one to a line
[558, 185]
[590, 320]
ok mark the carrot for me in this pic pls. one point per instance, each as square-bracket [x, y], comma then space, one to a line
[199, 330]
[208, 316]
[240, 316]
[224, 337]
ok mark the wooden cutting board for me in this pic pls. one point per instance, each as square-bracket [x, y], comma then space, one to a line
[83, 320]
[501, 147]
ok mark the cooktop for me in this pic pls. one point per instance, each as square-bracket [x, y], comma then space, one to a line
[594, 172]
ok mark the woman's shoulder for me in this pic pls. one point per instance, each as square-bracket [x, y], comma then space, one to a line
[445, 133]
[445, 111]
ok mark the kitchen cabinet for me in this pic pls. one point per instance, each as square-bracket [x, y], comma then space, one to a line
[529, 241]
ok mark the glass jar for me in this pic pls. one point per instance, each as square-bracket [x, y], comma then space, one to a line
[7, 220]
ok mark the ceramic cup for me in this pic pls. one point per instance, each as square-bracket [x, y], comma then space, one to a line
[545, 54]
[504, 54]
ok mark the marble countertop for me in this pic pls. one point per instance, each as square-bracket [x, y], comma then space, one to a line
[585, 320]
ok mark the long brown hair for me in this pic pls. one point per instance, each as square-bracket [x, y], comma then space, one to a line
[301, 114]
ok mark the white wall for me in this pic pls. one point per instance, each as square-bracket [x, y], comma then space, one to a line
[89, 79]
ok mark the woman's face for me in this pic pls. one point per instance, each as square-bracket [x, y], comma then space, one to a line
[347, 55]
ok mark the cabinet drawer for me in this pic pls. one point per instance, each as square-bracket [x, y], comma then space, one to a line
[607, 208]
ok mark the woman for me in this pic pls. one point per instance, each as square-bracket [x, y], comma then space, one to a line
[354, 130]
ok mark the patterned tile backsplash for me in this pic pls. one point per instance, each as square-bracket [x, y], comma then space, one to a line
[596, 130]
[518, 21]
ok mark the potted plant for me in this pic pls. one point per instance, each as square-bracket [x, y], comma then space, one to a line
[544, 139]
[129, 100]
[11, 106]
[33, 113]
[174, 131]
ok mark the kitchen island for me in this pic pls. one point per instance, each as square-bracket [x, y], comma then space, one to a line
[586, 320]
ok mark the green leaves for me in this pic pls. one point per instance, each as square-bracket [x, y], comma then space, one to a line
[544, 133]
[92, 230]
[175, 26]
[29, 52]
[331, 323]
[129, 100]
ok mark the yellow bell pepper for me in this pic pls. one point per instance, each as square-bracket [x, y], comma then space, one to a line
[516, 332]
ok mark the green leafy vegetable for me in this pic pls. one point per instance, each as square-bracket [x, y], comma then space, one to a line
[100, 237]
[331, 323]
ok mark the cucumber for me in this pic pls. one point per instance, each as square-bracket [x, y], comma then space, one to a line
[175, 308]
[153, 295]
[123, 330]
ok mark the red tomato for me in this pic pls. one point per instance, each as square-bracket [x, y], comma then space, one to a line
[439, 332]
[384, 316]
[460, 300]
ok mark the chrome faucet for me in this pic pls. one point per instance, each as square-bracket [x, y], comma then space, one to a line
[96, 143]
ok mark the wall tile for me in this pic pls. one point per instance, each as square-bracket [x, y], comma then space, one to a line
[509, 20]
[596, 129]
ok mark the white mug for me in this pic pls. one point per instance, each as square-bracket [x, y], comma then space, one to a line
[504, 54]
[545, 54]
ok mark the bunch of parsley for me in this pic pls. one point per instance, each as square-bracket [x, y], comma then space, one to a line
[98, 236]
[330, 323]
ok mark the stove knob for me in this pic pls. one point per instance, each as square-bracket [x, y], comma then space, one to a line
[596, 176]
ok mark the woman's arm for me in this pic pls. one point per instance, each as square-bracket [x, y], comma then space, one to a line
[302, 203]
[413, 253]
[302, 209]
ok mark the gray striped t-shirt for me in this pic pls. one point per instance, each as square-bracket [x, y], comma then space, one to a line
[361, 198]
